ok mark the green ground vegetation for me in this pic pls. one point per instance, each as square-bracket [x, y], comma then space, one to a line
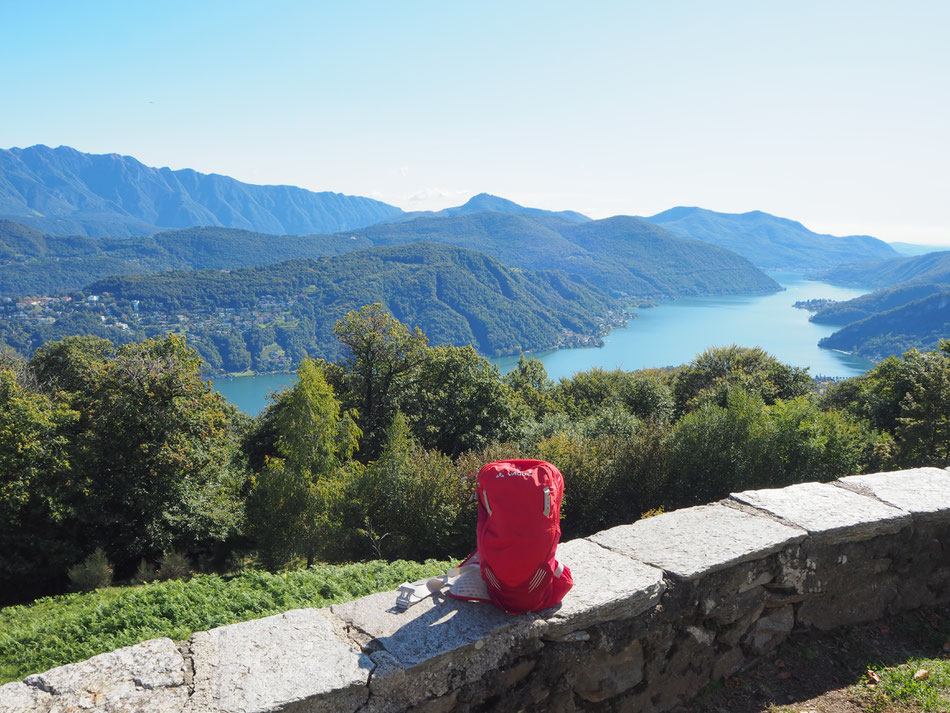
[72, 627]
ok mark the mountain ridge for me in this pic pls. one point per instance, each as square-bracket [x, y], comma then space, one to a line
[932, 267]
[769, 241]
[116, 195]
[622, 254]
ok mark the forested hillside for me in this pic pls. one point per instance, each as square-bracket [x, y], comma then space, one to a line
[33, 263]
[622, 255]
[769, 241]
[456, 296]
[842, 313]
[272, 316]
[931, 268]
[919, 324]
[64, 191]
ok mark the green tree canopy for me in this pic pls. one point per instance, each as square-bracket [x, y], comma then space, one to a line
[456, 401]
[291, 509]
[711, 375]
[382, 354]
[152, 452]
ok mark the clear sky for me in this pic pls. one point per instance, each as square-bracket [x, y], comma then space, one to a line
[836, 114]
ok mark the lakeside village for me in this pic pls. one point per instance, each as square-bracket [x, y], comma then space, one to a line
[269, 339]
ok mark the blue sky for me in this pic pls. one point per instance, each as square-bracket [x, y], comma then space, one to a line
[833, 113]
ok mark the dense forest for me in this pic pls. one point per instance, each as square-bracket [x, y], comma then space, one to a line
[121, 457]
[33, 263]
[236, 319]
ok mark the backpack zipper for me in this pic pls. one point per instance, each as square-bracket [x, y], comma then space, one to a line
[547, 502]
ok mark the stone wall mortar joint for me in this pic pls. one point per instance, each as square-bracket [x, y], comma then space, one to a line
[869, 494]
[757, 511]
[184, 648]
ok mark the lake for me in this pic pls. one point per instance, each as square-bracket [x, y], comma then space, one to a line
[669, 334]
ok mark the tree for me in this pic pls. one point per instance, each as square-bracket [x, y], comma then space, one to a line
[907, 397]
[36, 499]
[70, 364]
[529, 380]
[291, 506]
[641, 393]
[382, 355]
[457, 401]
[711, 375]
[411, 502]
[153, 449]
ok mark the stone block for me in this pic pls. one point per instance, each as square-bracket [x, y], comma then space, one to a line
[607, 586]
[17, 697]
[292, 661]
[696, 541]
[434, 646]
[728, 663]
[604, 675]
[770, 630]
[923, 492]
[828, 512]
[148, 677]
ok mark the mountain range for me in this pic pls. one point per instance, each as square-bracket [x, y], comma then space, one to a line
[70, 220]
[768, 241]
[622, 256]
[64, 191]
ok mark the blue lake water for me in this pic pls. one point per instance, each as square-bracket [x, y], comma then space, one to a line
[667, 335]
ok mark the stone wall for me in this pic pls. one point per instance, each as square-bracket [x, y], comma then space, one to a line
[660, 608]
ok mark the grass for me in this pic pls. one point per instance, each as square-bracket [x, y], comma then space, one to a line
[899, 686]
[72, 627]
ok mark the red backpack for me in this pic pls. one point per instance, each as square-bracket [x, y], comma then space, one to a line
[519, 526]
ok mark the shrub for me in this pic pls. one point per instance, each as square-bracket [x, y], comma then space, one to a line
[94, 572]
[174, 565]
[145, 572]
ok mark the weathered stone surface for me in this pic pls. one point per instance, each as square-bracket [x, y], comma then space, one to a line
[19, 698]
[607, 675]
[827, 511]
[692, 542]
[427, 630]
[920, 491]
[446, 643]
[770, 630]
[293, 661]
[147, 677]
[607, 585]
